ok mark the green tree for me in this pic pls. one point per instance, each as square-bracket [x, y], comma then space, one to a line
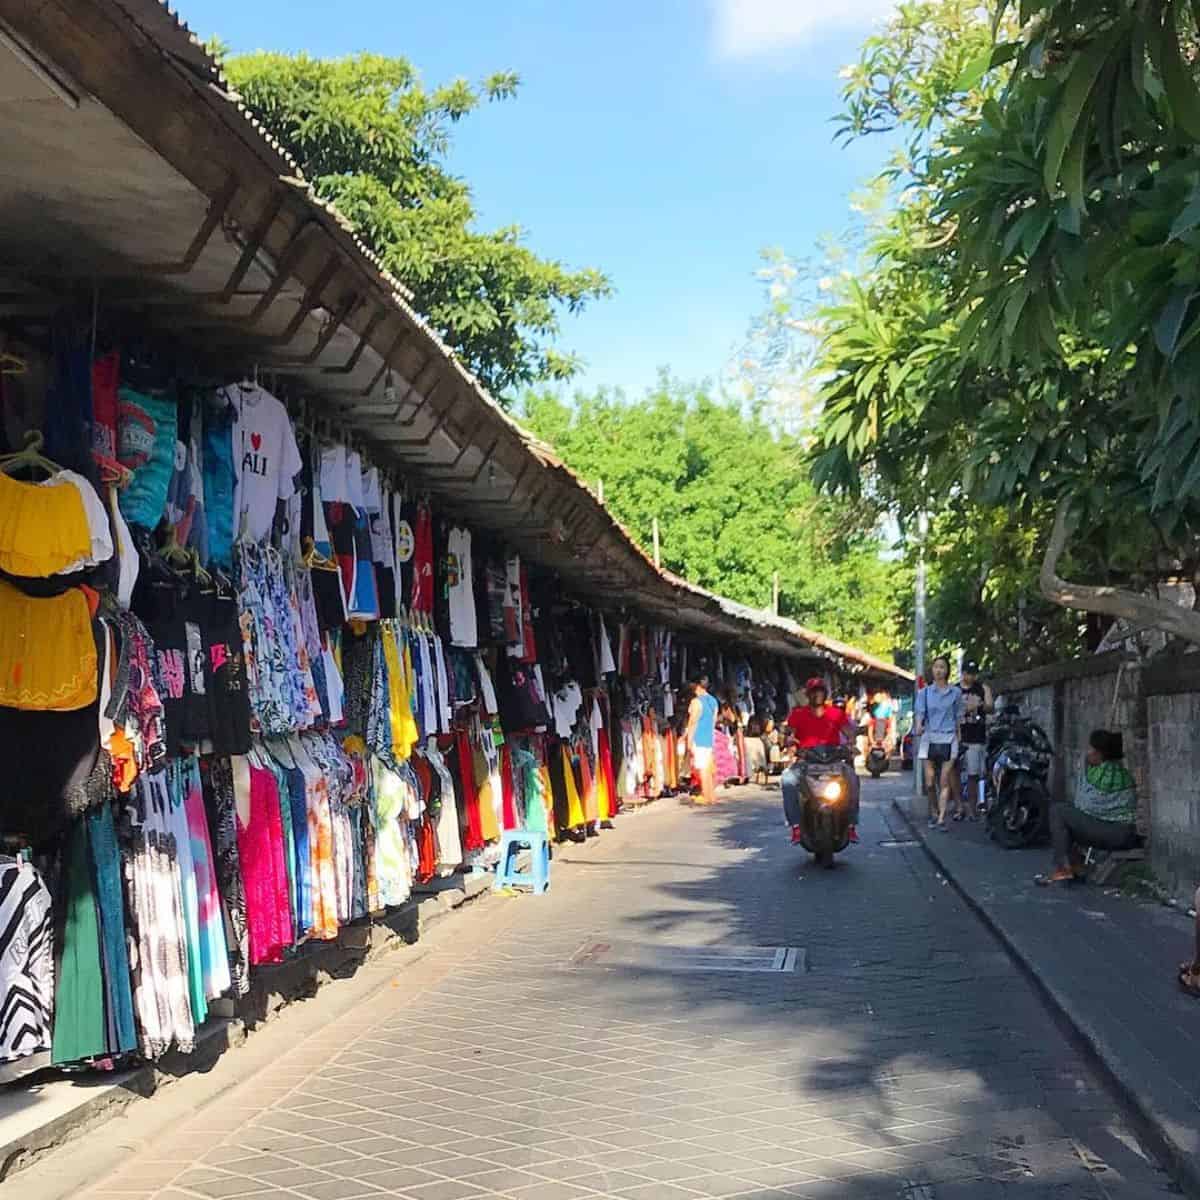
[1016, 345]
[370, 137]
[733, 503]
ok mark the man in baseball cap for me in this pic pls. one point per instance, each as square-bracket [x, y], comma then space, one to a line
[977, 703]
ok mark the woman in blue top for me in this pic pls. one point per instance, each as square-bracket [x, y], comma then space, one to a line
[939, 714]
[701, 727]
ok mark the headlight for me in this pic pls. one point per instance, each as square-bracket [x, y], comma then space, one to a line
[832, 790]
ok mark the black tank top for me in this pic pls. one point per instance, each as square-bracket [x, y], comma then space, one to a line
[974, 726]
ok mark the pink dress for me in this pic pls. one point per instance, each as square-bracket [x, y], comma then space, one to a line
[724, 756]
[264, 872]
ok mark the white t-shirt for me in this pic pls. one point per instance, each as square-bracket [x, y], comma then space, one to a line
[372, 492]
[566, 704]
[606, 665]
[461, 590]
[266, 458]
[333, 475]
[354, 480]
[487, 690]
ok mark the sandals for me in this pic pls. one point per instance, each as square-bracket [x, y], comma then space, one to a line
[1055, 879]
[1189, 980]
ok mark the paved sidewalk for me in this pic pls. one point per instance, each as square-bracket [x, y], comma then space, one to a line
[554, 1049]
[1106, 961]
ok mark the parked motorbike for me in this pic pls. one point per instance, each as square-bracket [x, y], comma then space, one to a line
[1017, 804]
[878, 759]
[825, 795]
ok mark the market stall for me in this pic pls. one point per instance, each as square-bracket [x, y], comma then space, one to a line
[293, 617]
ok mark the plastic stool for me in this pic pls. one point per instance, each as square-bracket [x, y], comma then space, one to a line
[512, 842]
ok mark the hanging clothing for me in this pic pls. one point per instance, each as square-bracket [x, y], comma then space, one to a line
[79, 1024]
[47, 650]
[159, 944]
[26, 965]
[460, 588]
[146, 436]
[422, 561]
[54, 527]
[448, 832]
[320, 843]
[217, 781]
[396, 801]
[105, 862]
[260, 848]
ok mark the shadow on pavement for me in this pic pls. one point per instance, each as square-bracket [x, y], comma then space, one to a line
[909, 1054]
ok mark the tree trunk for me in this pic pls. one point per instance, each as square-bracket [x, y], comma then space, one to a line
[1143, 611]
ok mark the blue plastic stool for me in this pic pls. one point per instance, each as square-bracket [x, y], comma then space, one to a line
[512, 842]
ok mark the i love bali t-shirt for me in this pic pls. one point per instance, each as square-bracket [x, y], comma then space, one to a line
[265, 456]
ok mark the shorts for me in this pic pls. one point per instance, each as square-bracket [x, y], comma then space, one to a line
[975, 759]
[702, 757]
[938, 751]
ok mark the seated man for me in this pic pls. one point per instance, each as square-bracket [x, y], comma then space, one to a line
[1104, 813]
[817, 723]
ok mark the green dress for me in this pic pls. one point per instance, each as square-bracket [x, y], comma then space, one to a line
[79, 1024]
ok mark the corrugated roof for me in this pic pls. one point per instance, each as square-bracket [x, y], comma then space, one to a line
[609, 565]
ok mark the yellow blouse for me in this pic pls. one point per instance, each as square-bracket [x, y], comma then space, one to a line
[43, 528]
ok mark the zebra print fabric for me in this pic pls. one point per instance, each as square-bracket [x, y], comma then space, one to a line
[26, 962]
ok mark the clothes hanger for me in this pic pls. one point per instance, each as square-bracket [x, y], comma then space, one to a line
[315, 561]
[177, 557]
[30, 457]
[201, 576]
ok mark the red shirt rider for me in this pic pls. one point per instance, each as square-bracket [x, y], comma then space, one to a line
[811, 728]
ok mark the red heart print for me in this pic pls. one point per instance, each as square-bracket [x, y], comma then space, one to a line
[256, 441]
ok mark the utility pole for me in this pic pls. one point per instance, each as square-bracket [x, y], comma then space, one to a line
[919, 641]
[654, 531]
[775, 594]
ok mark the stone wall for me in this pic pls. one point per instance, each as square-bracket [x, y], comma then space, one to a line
[1175, 789]
[1113, 700]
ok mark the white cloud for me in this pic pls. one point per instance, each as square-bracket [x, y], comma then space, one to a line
[748, 28]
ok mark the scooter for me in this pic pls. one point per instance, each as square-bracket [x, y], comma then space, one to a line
[825, 798]
[1018, 800]
[878, 759]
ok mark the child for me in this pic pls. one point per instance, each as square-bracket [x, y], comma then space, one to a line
[756, 752]
[774, 745]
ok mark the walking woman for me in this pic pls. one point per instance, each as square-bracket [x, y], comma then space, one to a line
[939, 715]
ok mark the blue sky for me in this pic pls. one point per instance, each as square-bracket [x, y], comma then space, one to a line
[664, 141]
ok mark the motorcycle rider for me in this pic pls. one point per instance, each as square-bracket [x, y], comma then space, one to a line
[817, 723]
[883, 721]
[977, 704]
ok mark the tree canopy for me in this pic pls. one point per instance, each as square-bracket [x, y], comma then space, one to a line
[733, 503]
[373, 139]
[1023, 337]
